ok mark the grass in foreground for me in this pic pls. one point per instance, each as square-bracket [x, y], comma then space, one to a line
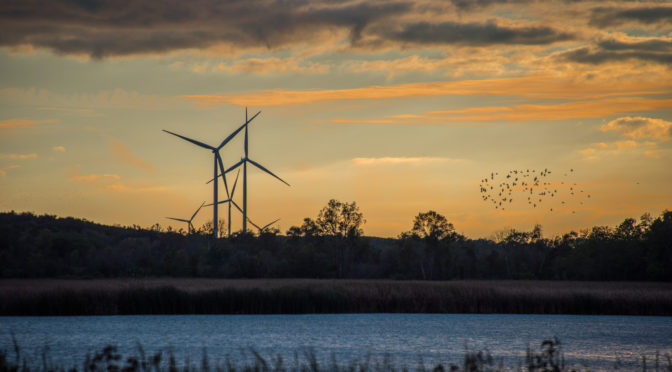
[549, 358]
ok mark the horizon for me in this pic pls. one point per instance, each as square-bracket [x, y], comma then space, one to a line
[402, 107]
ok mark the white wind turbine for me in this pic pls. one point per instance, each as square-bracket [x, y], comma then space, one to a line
[243, 161]
[217, 162]
[190, 226]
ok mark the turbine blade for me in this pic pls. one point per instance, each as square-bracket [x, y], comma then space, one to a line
[233, 190]
[267, 225]
[198, 143]
[218, 203]
[230, 137]
[177, 219]
[236, 205]
[221, 169]
[195, 213]
[266, 170]
[253, 224]
[235, 166]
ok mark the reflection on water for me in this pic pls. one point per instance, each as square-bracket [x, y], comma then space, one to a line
[593, 341]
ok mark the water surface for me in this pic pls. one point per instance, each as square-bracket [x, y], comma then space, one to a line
[587, 341]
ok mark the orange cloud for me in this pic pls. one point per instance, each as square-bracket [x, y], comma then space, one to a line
[563, 111]
[641, 127]
[613, 149]
[109, 182]
[59, 148]
[18, 156]
[539, 87]
[518, 113]
[76, 176]
[123, 153]
[587, 151]
[3, 171]
[653, 153]
[18, 123]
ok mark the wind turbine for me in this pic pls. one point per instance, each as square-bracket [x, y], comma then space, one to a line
[230, 201]
[262, 229]
[243, 161]
[190, 226]
[217, 162]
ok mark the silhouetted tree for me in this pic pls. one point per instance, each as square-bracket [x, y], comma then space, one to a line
[342, 220]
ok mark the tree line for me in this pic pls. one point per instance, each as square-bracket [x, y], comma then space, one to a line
[332, 245]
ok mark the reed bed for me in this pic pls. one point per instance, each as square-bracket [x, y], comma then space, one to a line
[205, 296]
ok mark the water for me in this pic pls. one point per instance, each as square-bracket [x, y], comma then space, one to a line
[587, 341]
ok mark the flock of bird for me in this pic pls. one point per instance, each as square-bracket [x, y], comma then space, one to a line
[535, 188]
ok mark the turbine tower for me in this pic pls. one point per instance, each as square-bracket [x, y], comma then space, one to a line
[217, 163]
[190, 226]
[243, 161]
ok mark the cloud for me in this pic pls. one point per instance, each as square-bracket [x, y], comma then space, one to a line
[117, 98]
[59, 148]
[108, 182]
[272, 66]
[75, 175]
[519, 113]
[18, 156]
[604, 17]
[655, 154]
[459, 64]
[123, 153]
[537, 86]
[3, 171]
[19, 123]
[400, 160]
[113, 28]
[588, 151]
[620, 48]
[615, 148]
[641, 127]
[476, 34]
[77, 111]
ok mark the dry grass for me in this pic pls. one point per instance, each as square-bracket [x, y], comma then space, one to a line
[262, 296]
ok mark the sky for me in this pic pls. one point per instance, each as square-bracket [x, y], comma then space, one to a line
[400, 106]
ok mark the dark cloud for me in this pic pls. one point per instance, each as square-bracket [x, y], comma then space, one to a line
[476, 4]
[612, 50]
[608, 17]
[103, 28]
[476, 34]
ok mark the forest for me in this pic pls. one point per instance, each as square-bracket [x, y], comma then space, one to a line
[332, 245]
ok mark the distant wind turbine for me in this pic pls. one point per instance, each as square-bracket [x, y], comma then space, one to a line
[230, 201]
[217, 162]
[243, 161]
[190, 226]
[262, 229]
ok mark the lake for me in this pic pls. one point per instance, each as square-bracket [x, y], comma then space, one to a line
[587, 341]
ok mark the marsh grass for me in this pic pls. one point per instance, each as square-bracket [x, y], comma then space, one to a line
[549, 358]
[208, 296]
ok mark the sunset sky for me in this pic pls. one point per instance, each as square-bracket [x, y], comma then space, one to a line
[400, 106]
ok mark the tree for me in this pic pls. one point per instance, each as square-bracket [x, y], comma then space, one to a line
[429, 240]
[343, 220]
[431, 226]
